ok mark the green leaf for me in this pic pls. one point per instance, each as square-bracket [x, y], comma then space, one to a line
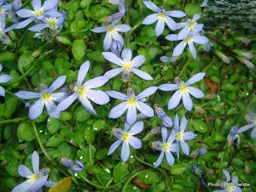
[25, 132]
[7, 56]
[120, 171]
[65, 116]
[89, 135]
[178, 169]
[192, 9]
[78, 49]
[199, 126]
[54, 141]
[98, 125]
[78, 137]
[85, 3]
[149, 177]
[25, 61]
[10, 106]
[53, 125]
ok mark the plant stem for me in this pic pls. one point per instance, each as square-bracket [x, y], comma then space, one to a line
[183, 69]
[39, 142]
[13, 120]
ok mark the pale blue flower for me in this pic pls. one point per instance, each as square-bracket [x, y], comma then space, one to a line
[181, 135]
[116, 48]
[131, 104]
[12, 8]
[199, 172]
[190, 39]
[112, 33]
[127, 64]
[47, 97]
[85, 91]
[3, 79]
[126, 137]
[251, 118]
[114, 19]
[229, 187]
[232, 136]
[166, 147]
[75, 165]
[189, 26]
[121, 3]
[35, 181]
[162, 17]
[184, 90]
[166, 120]
[38, 13]
[54, 24]
[204, 4]
[3, 37]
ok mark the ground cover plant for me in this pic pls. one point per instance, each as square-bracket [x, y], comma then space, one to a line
[125, 95]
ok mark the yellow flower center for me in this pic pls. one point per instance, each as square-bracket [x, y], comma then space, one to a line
[39, 12]
[81, 90]
[191, 26]
[52, 23]
[111, 29]
[132, 101]
[126, 136]
[1, 10]
[35, 177]
[165, 147]
[162, 15]
[183, 88]
[179, 136]
[188, 39]
[230, 187]
[46, 96]
[127, 67]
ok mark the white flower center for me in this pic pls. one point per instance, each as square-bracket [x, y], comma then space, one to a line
[81, 90]
[179, 136]
[52, 22]
[126, 136]
[127, 67]
[111, 29]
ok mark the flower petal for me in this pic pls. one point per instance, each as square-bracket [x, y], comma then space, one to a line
[145, 109]
[67, 102]
[107, 41]
[125, 153]
[164, 134]
[178, 50]
[245, 128]
[195, 92]
[39, 183]
[197, 77]
[169, 158]
[5, 78]
[174, 100]
[118, 110]
[183, 124]
[131, 114]
[159, 27]
[142, 74]
[24, 171]
[176, 123]
[82, 72]
[113, 58]
[49, 184]
[57, 83]
[188, 135]
[172, 37]
[150, 19]
[171, 137]
[192, 49]
[151, 6]
[49, 4]
[58, 97]
[100, 29]
[27, 95]
[159, 160]
[98, 96]
[183, 33]
[187, 102]
[96, 82]
[127, 55]
[87, 105]
[24, 186]
[24, 23]
[184, 147]
[114, 72]
[135, 142]
[202, 40]
[253, 134]
[170, 23]
[114, 146]
[147, 92]
[177, 14]
[38, 27]
[138, 61]
[118, 37]
[136, 128]
[36, 109]
[122, 28]
[52, 109]
[198, 28]
[196, 17]
[2, 91]
[227, 175]
[168, 87]
[35, 162]
[25, 13]
[117, 95]
[36, 4]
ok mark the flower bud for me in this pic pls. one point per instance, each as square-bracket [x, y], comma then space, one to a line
[166, 59]
[116, 47]
[245, 40]
[36, 53]
[23, 146]
[166, 120]
[224, 58]
[74, 165]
